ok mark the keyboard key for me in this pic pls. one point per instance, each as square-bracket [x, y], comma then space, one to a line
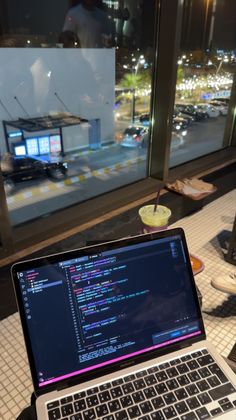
[92, 401]
[147, 417]
[139, 384]
[227, 406]
[77, 416]
[138, 397]
[186, 358]
[161, 376]
[183, 380]
[181, 394]
[145, 407]
[134, 411]
[161, 388]
[216, 411]
[193, 364]
[110, 417]
[153, 369]
[221, 391]
[114, 405]
[79, 395]
[158, 415]
[80, 405]
[202, 413]
[128, 388]
[181, 407]
[150, 380]
[104, 396]
[117, 382]
[175, 362]
[92, 391]
[66, 400]
[169, 398]
[107, 385]
[193, 403]
[172, 372]
[192, 389]
[149, 392]
[158, 402]
[172, 384]
[122, 415]
[54, 414]
[194, 376]
[129, 378]
[213, 381]
[164, 365]
[116, 392]
[204, 398]
[218, 372]
[126, 401]
[196, 354]
[204, 372]
[89, 414]
[67, 409]
[141, 374]
[203, 385]
[189, 416]
[169, 412]
[52, 404]
[102, 410]
[205, 360]
[183, 368]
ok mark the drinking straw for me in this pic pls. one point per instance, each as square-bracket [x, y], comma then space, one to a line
[157, 200]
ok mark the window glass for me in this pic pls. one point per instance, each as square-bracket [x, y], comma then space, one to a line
[75, 81]
[206, 66]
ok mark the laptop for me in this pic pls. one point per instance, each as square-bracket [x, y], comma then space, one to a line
[114, 331]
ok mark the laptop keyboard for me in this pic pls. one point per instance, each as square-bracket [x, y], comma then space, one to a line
[191, 387]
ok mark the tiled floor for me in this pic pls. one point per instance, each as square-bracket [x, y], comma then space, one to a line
[219, 309]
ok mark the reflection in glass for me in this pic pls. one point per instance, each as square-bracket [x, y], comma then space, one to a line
[74, 90]
[206, 66]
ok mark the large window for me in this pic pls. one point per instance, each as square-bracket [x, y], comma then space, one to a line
[75, 83]
[206, 66]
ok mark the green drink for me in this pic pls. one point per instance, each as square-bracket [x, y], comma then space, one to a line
[154, 221]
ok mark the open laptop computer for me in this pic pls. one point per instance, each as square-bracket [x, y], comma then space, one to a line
[115, 331]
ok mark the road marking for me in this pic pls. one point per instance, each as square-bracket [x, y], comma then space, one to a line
[36, 191]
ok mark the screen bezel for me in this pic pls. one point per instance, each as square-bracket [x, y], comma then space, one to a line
[101, 247]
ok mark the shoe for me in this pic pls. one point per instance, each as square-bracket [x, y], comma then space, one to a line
[225, 283]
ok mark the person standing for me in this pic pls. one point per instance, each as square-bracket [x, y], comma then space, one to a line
[90, 24]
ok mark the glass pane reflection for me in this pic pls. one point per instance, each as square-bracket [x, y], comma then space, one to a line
[75, 100]
[206, 66]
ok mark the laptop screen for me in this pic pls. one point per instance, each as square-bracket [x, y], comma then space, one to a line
[100, 305]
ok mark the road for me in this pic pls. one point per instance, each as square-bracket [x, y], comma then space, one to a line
[93, 173]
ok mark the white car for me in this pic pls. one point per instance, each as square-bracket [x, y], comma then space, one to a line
[211, 110]
[135, 136]
[222, 108]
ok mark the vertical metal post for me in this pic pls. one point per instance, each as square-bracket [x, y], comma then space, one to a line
[164, 85]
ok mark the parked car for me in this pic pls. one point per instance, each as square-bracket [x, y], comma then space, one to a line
[135, 137]
[189, 120]
[179, 123]
[223, 108]
[189, 109]
[23, 168]
[145, 119]
[222, 100]
[211, 110]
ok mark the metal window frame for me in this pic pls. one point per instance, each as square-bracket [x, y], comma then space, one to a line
[167, 43]
[164, 85]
